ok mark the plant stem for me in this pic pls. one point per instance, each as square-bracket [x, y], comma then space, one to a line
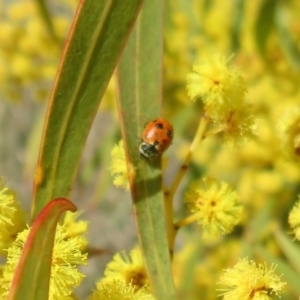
[186, 221]
[169, 195]
[184, 167]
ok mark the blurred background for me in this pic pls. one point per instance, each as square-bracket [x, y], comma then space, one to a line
[260, 37]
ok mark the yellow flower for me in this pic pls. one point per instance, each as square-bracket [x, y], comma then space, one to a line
[289, 133]
[216, 84]
[117, 289]
[249, 281]
[128, 268]
[125, 278]
[7, 206]
[294, 220]
[73, 226]
[66, 256]
[215, 206]
[118, 166]
[236, 125]
[28, 49]
[12, 218]
[3, 292]
[222, 90]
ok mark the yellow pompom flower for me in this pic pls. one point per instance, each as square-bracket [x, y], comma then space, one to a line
[73, 226]
[214, 205]
[12, 218]
[294, 220]
[118, 166]
[66, 256]
[289, 133]
[222, 90]
[128, 268]
[7, 206]
[216, 84]
[2, 288]
[237, 125]
[125, 278]
[117, 289]
[249, 281]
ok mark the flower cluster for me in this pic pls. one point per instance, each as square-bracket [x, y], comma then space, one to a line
[118, 166]
[66, 256]
[289, 133]
[214, 205]
[294, 220]
[29, 54]
[12, 218]
[125, 277]
[67, 251]
[117, 289]
[222, 90]
[247, 281]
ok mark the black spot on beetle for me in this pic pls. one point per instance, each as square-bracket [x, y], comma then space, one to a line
[159, 126]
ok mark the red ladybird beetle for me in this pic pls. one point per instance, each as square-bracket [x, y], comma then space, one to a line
[157, 137]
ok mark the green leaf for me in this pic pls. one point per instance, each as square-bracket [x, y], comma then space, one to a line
[140, 88]
[96, 40]
[264, 25]
[288, 45]
[289, 275]
[32, 276]
[288, 247]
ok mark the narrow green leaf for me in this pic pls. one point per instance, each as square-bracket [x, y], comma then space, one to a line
[289, 275]
[264, 25]
[288, 247]
[288, 45]
[140, 88]
[96, 40]
[32, 276]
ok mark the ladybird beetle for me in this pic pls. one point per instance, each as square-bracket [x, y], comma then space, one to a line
[157, 137]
